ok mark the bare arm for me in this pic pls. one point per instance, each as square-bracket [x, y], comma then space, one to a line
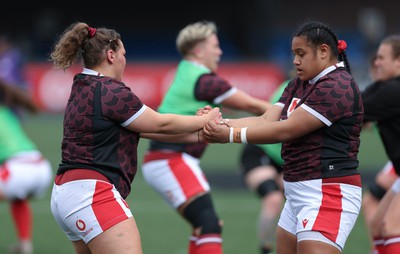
[271, 115]
[151, 121]
[245, 102]
[189, 137]
[298, 124]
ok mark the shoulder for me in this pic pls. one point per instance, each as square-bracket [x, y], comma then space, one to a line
[339, 79]
[109, 83]
[340, 75]
[394, 82]
[212, 78]
[391, 85]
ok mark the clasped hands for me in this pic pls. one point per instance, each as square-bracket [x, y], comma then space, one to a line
[216, 130]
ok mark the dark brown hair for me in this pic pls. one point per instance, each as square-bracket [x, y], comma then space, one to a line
[80, 40]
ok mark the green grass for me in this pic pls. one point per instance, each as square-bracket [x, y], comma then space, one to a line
[162, 230]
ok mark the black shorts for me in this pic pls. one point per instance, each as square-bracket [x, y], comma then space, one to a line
[253, 156]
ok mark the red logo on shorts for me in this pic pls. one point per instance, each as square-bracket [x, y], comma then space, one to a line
[80, 224]
[305, 221]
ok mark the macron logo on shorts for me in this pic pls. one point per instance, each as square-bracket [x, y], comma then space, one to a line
[304, 221]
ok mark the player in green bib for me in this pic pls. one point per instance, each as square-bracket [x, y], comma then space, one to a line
[173, 169]
[24, 172]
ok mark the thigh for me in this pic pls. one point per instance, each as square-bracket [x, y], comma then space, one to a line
[377, 218]
[122, 238]
[286, 242]
[391, 219]
[369, 204]
[257, 167]
[81, 247]
[386, 176]
[256, 176]
[316, 247]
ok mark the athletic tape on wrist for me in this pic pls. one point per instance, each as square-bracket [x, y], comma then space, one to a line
[396, 186]
[231, 135]
[243, 137]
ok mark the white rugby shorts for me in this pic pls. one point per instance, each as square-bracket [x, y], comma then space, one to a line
[86, 208]
[328, 208]
[176, 179]
[25, 175]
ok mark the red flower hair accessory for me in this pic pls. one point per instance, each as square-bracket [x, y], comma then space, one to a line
[92, 31]
[342, 45]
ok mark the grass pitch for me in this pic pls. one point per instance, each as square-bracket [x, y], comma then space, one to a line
[161, 228]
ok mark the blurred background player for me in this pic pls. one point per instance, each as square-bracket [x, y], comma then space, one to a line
[173, 170]
[381, 106]
[261, 167]
[12, 65]
[377, 189]
[384, 178]
[24, 172]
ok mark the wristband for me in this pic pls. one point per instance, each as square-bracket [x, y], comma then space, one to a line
[231, 135]
[396, 186]
[243, 137]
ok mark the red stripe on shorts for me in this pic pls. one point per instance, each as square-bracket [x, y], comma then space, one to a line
[328, 218]
[188, 181]
[107, 210]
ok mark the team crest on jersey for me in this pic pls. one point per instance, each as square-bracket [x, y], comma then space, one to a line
[292, 106]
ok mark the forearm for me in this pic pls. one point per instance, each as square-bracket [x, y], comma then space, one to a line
[245, 121]
[178, 123]
[271, 115]
[244, 102]
[151, 121]
[189, 137]
[259, 107]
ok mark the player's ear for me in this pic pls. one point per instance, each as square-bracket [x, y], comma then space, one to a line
[323, 51]
[110, 55]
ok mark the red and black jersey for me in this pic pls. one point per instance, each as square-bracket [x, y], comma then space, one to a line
[93, 136]
[330, 151]
[381, 106]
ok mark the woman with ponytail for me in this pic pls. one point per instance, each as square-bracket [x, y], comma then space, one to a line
[103, 123]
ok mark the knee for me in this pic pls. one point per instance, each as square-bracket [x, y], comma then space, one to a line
[201, 214]
[267, 187]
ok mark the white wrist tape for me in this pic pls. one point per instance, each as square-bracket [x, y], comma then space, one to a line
[396, 185]
[231, 135]
[243, 137]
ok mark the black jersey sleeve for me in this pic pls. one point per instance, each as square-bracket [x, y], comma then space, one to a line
[210, 86]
